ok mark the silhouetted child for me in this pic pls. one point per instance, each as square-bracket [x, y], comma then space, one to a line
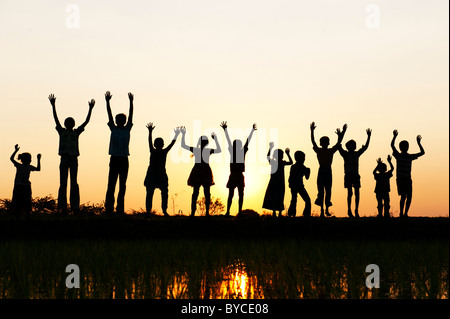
[351, 171]
[382, 187]
[156, 173]
[69, 152]
[237, 167]
[298, 171]
[21, 199]
[274, 197]
[324, 177]
[201, 174]
[119, 151]
[404, 163]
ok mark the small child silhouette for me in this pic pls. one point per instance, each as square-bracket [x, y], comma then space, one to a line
[156, 173]
[274, 197]
[21, 199]
[382, 187]
[201, 174]
[404, 163]
[69, 152]
[119, 151]
[324, 177]
[297, 172]
[237, 167]
[351, 171]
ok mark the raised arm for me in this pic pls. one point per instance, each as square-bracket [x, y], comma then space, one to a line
[419, 142]
[177, 132]
[130, 114]
[270, 150]
[395, 134]
[389, 159]
[108, 97]
[183, 140]
[365, 146]
[378, 165]
[150, 128]
[340, 135]
[218, 149]
[16, 149]
[225, 126]
[313, 127]
[38, 167]
[52, 100]
[250, 135]
[288, 153]
[88, 117]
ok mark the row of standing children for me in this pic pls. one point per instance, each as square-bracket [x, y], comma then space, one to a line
[201, 174]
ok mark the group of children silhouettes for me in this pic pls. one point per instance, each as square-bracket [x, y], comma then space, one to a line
[201, 174]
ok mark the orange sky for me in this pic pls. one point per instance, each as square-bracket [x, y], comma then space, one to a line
[280, 64]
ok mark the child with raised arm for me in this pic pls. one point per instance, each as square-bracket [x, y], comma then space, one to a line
[274, 197]
[119, 151]
[69, 152]
[324, 177]
[404, 163]
[237, 167]
[382, 187]
[351, 171]
[297, 172]
[21, 199]
[156, 173]
[201, 174]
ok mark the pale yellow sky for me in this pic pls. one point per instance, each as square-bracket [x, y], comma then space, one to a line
[280, 64]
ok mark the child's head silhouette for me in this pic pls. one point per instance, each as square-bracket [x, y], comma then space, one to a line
[404, 146]
[121, 119]
[324, 141]
[159, 143]
[278, 154]
[351, 145]
[69, 123]
[203, 141]
[237, 144]
[299, 157]
[25, 158]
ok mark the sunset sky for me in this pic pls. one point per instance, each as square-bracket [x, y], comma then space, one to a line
[279, 64]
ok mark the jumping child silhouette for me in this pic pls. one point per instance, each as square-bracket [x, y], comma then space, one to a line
[351, 171]
[119, 151]
[201, 174]
[324, 177]
[404, 163]
[297, 172]
[237, 167]
[21, 199]
[382, 187]
[156, 173]
[274, 197]
[69, 152]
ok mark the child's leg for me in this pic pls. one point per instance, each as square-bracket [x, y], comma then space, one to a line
[149, 198]
[380, 204]
[230, 200]
[112, 181]
[356, 201]
[123, 175]
[74, 188]
[292, 211]
[206, 191]
[304, 194]
[386, 205]
[194, 199]
[241, 197]
[63, 176]
[402, 204]
[349, 201]
[164, 199]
